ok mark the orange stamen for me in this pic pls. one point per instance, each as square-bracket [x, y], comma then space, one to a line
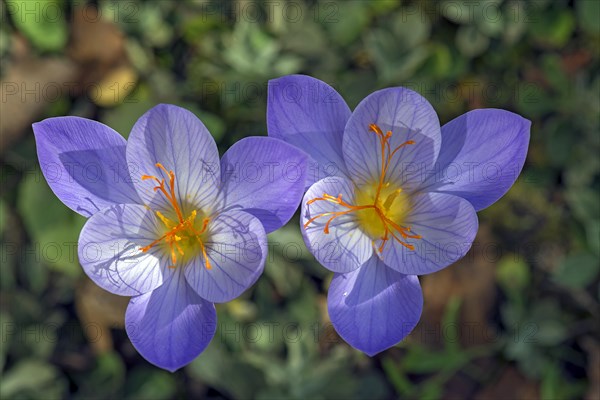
[176, 230]
[391, 228]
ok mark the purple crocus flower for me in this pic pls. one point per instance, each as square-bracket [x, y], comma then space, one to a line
[398, 195]
[169, 224]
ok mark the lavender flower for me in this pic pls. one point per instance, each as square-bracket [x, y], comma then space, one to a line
[169, 224]
[398, 196]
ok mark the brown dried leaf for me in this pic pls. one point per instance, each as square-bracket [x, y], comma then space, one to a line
[28, 86]
[511, 385]
[472, 280]
[99, 311]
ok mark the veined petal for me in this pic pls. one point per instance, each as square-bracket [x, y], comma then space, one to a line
[171, 325]
[236, 249]
[177, 139]
[483, 152]
[447, 225]
[409, 117]
[84, 163]
[264, 177]
[109, 250]
[309, 114]
[374, 307]
[345, 247]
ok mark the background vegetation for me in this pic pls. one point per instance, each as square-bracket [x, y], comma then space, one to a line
[517, 318]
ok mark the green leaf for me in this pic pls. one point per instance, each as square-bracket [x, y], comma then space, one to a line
[550, 332]
[513, 273]
[588, 14]
[5, 41]
[54, 228]
[555, 386]
[584, 202]
[32, 379]
[546, 324]
[31, 270]
[383, 6]
[450, 319]
[214, 124]
[439, 62]
[108, 374]
[151, 384]
[396, 376]
[224, 372]
[470, 41]
[141, 57]
[284, 261]
[3, 216]
[421, 360]
[431, 391]
[38, 205]
[577, 270]
[489, 18]
[515, 25]
[351, 21]
[458, 12]
[122, 117]
[152, 24]
[43, 22]
[410, 28]
[592, 229]
[553, 28]
[550, 382]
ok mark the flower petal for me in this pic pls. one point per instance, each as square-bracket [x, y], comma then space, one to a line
[176, 138]
[409, 116]
[309, 114]
[171, 325]
[483, 152]
[84, 163]
[109, 250]
[374, 307]
[264, 177]
[345, 247]
[447, 225]
[236, 249]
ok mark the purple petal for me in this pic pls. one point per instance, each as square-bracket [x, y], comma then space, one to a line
[84, 163]
[345, 247]
[483, 152]
[264, 177]
[409, 116]
[374, 307]
[109, 250]
[447, 224]
[236, 249]
[311, 115]
[172, 325]
[176, 138]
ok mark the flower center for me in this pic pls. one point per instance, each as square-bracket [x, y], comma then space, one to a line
[391, 205]
[183, 235]
[380, 207]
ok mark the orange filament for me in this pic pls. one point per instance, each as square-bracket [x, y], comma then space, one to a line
[386, 154]
[182, 230]
[391, 229]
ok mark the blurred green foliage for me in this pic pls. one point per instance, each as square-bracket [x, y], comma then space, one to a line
[539, 59]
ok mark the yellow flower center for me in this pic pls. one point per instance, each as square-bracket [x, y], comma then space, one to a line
[381, 208]
[391, 205]
[183, 235]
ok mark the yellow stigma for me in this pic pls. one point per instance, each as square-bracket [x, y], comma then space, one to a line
[183, 236]
[380, 208]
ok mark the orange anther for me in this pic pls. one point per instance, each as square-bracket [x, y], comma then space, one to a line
[392, 229]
